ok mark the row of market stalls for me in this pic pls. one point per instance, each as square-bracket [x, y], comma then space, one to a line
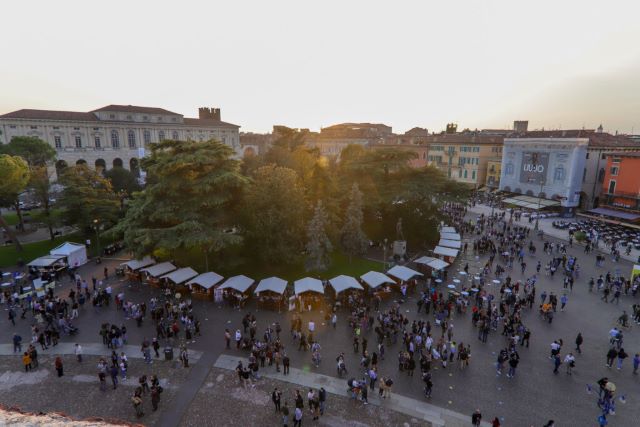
[449, 245]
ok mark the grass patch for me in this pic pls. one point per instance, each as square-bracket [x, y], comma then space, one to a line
[9, 256]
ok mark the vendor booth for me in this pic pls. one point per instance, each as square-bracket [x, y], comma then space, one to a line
[343, 286]
[75, 253]
[405, 276]
[378, 283]
[449, 254]
[154, 272]
[438, 264]
[202, 286]
[450, 236]
[132, 268]
[448, 230]
[309, 292]
[271, 293]
[236, 290]
[48, 265]
[454, 244]
[176, 279]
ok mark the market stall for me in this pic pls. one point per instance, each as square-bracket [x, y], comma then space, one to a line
[271, 293]
[75, 253]
[235, 290]
[309, 292]
[454, 244]
[203, 286]
[177, 278]
[132, 268]
[343, 286]
[152, 274]
[448, 230]
[50, 265]
[449, 254]
[450, 236]
[405, 276]
[378, 283]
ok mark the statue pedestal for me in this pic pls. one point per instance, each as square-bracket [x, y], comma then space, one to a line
[399, 248]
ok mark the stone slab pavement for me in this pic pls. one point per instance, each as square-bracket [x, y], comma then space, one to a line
[436, 416]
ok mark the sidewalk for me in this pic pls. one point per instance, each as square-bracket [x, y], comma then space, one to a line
[91, 349]
[434, 415]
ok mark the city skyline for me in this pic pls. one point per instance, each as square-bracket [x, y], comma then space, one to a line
[479, 65]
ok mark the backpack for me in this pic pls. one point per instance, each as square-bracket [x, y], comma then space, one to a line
[389, 382]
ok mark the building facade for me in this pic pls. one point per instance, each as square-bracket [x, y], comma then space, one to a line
[115, 135]
[333, 139]
[494, 169]
[420, 152]
[621, 184]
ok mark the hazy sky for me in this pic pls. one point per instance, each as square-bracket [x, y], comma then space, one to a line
[560, 63]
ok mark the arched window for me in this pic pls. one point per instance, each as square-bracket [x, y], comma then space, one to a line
[147, 137]
[559, 174]
[115, 139]
[131, 139]
[174, 135]
[161, 135]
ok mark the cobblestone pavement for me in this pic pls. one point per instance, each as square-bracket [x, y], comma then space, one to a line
[77, 392]
[222, 402]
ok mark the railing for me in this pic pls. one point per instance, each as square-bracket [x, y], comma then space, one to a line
[625, 194]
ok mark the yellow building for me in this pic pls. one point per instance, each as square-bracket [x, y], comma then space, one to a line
[494, 168]
[464, 156]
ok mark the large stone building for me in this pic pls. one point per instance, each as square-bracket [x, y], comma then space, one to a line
[115, 135]
[333, 139]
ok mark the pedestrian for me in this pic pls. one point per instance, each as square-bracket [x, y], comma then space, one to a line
[156, 346]
[155, 396]
[556, 363]
[285, 364]
[495, 422]
[59, 367]
[275, 398]
[579, 341]
[238, 339]
[570, 361]
[297, 418]
[621, 356]
[636, 363]
[78, 352]
[227, 338]
[114, 376]
[476, 418]
[322, 398]
[285, 414]
[563, 301]
[17, 343]
[514, 359]
[137, 405]
[26, 361]
[611, 356]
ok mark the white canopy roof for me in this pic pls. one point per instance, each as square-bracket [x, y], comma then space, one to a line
[206, 280]
[136, 264]
[273, 284]
[45, 261]
[181, 275]
[308, 284]
[455, 244]
[342, 283]
[159, 269]
[438, 264]
[448, 230]
[424, 260]
[375, 279]
[67, 248]
[440, 250]
[402, 272]
[239, 283]
[450, 236]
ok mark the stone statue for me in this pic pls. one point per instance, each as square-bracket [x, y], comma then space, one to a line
[399, 234]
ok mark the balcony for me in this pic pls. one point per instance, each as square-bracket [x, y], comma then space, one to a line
[623, 195]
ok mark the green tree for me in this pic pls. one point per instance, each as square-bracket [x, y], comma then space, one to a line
[353, 239]
[14, 177]
[273, 209]
[33, 150]
[289, 138]
[40, 183]
[122, 180]
[189, 200]
[87, 197]
[318, 244]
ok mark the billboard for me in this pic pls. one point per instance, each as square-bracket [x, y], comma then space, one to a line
[533, 169]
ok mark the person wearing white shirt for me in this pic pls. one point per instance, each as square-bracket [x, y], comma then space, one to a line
[570, 361]
[78, 352]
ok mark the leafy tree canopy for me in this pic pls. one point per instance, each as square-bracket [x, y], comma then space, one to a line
[35, 151]
[122, 180]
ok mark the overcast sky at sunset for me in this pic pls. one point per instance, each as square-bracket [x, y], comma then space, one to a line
[424, 63]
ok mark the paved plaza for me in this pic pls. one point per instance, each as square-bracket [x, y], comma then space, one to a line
[531, 398]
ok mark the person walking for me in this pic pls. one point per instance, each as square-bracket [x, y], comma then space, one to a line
[59, 367]
[78, 352]
[476, 418]
[276, 395]
[227, 339]
[114, 376]
[611, 356]
[556, 363]
[285, 415]
[137, 405]
[26, 361]
[514, 359]
[297, 418]
[322, 398]
[621, 356]
[579, 341]
[570, 361]
[636, 363]
[155, 397]
[563, 301]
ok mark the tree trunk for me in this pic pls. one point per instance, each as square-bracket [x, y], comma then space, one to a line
[20, 218]
[10, 233]
[47, 214]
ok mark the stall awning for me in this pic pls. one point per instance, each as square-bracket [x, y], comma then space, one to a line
[375, 279]
[308, 284]
[440, 250]
[450, 236]
[272, 284]
[206, 280]
[159, 269]
[239, 283]
[181, 275]
[629, 216]
[136, 264]
[454, 244]
[424, 260]
[45, 261]
[530, 202]
[448, 230]
[342, 283]
[438, 264]
[403, 273]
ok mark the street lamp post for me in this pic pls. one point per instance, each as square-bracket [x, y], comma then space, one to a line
[538, 213]
[95, 224]
[384, 256]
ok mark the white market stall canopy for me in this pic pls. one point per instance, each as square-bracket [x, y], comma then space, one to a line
[76, 253]
[308, 284]
[439, 250]
[239, 283]
[273, 284]
[450, 236]
[424, 260]
[159, 269]
[403, 273]
[448, 230]
[181, 275]
[45, 261]
[137, 264]
[455, 244]
[438, 264]
[206, 280]
[375, 279]
[342, 283]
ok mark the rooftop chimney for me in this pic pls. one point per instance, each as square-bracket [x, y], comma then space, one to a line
[207, 113]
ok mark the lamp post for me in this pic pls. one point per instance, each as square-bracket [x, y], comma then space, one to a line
[95, 224]
[538, 213]
[384, 256]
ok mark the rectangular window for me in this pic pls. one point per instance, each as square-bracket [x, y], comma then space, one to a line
[614, 171]
[112, 116]
[97, 141]
[12, 126]
[34, 127]
[78, 142]
[465, 174]
[58, 141]
[76, 128]
[459, 173]
[612, 186]
[473, 175]
[587, 154]
[56, 127]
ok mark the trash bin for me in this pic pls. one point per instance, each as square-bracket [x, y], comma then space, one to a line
[168, 353]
